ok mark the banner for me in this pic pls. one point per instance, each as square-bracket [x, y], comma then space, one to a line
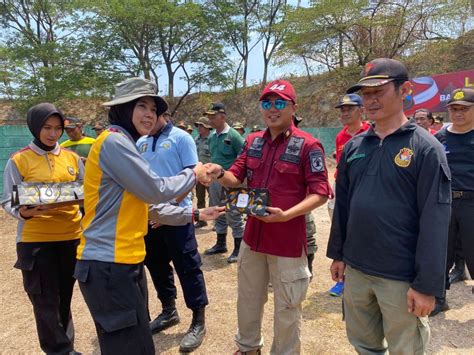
[433, 92]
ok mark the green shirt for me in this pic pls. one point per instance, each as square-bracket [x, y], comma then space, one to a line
[225, 146]
[202, 145]
[81, 147]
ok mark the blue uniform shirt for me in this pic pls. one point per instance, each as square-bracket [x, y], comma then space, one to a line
[169, 152]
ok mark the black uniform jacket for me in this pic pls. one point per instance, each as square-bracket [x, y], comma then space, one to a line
[393, 205]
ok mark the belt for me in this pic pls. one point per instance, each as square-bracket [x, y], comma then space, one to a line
[466, 195]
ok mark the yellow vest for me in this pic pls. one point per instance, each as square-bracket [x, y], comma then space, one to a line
[55, 225]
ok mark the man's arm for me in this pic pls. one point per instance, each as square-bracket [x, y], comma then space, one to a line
[337, 235]
[434, 209]
[310, 202]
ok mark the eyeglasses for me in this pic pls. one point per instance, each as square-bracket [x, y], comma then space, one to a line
[278, 104]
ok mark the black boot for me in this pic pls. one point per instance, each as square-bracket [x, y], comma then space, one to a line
[233, 257]
[195, 334]
[458, 273]
[310, 265]
[166, 319]
[220, 247]
[440, 306]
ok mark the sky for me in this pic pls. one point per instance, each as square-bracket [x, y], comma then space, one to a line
[255, 67]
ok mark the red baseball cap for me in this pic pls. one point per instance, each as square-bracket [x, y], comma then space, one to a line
[281, 88]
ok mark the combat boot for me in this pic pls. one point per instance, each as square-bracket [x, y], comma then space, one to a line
[233, 257]
[220, 247]
[458, 273]
[166, 319]
[195, 334]
[440, 306]
[310, 265]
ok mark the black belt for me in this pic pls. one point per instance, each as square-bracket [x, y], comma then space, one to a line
[467, 195]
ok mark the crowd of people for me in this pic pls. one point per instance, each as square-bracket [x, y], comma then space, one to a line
[401, 209]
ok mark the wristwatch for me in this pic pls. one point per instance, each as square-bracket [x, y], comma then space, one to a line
[196, 215]
[221, 174]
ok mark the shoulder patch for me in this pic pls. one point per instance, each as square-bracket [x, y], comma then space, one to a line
[316, 161]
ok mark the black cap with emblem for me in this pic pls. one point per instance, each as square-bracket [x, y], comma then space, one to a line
[379, 72]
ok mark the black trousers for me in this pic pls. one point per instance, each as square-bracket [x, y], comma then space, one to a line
[115, 295]
[201, 195]
[177, 244]
[461, 230]
[47, 269]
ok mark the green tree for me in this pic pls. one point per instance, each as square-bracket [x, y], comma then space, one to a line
[46, 50]
[272, 27]
[237, 22]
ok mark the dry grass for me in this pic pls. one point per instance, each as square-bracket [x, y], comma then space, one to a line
[323, 331]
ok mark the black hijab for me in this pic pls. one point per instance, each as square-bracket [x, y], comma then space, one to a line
[36, 118]
[121, 115]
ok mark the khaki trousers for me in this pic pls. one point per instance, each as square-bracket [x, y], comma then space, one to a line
[290, 279]
[377, 317]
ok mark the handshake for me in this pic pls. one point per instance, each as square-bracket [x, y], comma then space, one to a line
[207, 173]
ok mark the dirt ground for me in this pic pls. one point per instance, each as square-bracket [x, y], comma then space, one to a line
[323, 331]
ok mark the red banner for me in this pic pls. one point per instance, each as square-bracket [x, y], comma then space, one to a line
[433, 92]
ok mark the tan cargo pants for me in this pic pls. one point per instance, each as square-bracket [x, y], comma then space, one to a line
[290, 279]
[377, 317]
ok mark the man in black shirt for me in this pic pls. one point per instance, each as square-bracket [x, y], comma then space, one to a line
[458, 142]
[390, 225]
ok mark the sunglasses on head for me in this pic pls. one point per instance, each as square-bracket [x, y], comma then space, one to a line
[279, 104]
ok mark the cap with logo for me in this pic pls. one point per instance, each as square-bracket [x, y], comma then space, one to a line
[72, 122]
[281, 88]
[464, 97]
[349, 100]
[379, 72]
[203, 121]
[134, 88]
[215, 108]
[238, 125]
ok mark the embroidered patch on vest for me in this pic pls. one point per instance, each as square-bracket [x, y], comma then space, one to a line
[256, 148]
[403, 158]
[293, 150]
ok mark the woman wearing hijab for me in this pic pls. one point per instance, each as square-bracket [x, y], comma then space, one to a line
[118, 187]
[46, 238]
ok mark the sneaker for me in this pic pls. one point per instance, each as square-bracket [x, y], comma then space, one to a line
[337, 289]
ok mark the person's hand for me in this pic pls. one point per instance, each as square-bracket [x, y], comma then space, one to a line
[154, 225]
[337, 270]
[31, 211]
[275, 215]
[419, 304]
[214, 170]
[211, 213]
[201, 174]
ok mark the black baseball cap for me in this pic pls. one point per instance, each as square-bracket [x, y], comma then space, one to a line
[379, 72]
[215, 108]
[464, 96]
[349, 100]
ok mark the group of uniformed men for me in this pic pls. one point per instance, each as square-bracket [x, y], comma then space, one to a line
[405, 199]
